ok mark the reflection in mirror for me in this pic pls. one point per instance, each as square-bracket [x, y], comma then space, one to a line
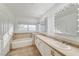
[66, 23]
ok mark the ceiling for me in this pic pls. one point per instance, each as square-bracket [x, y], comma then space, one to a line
[29, 9]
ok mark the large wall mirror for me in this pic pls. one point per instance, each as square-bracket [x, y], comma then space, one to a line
[66, 20]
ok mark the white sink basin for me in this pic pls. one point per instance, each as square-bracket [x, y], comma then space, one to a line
[61, 45]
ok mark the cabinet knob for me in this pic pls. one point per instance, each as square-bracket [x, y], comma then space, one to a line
[52, 53]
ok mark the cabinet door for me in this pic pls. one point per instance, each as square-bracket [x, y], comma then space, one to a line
[44, 49]
[57, 54]
[37, 42]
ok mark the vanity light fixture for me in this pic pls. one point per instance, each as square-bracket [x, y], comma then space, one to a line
[77, 8]
[78, 14]
[77, 19]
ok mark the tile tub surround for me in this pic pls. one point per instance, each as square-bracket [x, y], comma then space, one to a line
[21, 40]
[22, 45]
[19, 43]
[22, 35]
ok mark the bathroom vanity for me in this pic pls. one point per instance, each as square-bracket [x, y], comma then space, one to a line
[52, 47]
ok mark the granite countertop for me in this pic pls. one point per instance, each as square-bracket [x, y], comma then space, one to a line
[64, 38]
[62, 47]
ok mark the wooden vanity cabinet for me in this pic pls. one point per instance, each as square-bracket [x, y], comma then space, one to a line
[57, 53]
[45, 49]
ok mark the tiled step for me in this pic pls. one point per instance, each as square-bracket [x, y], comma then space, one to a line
[21, 43]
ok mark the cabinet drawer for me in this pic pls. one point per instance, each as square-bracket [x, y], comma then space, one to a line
[55, 53]
[45, 49]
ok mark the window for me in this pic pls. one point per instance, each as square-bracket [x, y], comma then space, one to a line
[32, 27]
[25, 28]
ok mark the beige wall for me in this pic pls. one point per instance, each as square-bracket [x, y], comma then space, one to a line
[50, 14]
[6, 28]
